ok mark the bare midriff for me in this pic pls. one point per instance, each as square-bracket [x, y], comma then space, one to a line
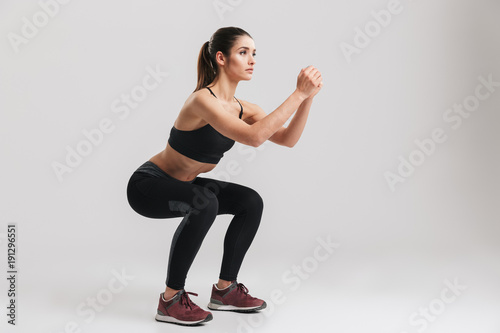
[174, 163]
[179, 166]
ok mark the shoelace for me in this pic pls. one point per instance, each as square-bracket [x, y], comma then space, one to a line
[185, 299]
[242, 288]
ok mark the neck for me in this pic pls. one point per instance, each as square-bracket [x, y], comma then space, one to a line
[224, 87]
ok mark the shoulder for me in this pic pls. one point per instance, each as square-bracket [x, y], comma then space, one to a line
[251, 112]
[198, 103]
[198, 97]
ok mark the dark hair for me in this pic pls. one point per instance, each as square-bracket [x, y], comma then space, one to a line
[222, 40]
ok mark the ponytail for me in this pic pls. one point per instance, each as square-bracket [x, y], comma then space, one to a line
[206, 71]
[222, 40]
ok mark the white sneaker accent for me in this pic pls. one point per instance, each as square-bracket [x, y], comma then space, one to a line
[214, 306]
[169, 319]
[215, 284]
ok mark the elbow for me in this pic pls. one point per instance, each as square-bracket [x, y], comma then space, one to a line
[255, 142]
[289, 143]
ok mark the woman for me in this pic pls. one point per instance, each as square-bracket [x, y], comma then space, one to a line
[168, 185]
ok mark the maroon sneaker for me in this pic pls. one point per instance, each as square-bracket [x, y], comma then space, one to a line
[234, 298]
[181, 310]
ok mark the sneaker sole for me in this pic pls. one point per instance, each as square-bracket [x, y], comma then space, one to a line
[172, 320]
[220, 307]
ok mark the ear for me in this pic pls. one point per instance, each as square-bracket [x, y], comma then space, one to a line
[219, 57]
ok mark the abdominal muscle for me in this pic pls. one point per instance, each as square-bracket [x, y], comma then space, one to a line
[179, 166]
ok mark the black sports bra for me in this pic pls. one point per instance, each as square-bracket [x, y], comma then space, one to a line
[203, 144]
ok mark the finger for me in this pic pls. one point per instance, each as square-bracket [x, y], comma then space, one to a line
[312, 76]
[312, 70]
[317, 75]
[308, 69]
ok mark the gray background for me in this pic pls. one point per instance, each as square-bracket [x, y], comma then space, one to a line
[396, 248]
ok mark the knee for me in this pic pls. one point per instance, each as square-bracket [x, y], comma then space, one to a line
[253, 201]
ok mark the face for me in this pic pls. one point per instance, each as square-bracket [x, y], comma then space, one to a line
[242, 59]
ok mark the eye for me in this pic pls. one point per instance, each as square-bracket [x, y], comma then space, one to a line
[245, 52]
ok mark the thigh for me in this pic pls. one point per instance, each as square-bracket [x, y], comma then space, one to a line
[163, 197]
[233, 198]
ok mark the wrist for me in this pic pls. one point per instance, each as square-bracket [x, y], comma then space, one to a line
[299, 95]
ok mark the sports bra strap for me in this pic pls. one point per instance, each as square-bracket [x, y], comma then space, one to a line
[241, 112]
[211, 91]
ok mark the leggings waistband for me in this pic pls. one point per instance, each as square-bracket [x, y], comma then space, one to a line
[152, 169]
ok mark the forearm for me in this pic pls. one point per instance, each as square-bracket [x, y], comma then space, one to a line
[294, 130]
[267, 126]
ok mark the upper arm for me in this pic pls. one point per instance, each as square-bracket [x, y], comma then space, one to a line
[210, 110]
[257, 114]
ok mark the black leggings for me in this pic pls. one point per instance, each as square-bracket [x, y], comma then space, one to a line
[153, 193]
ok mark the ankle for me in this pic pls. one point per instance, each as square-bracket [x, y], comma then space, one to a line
[223, 284]
[167, 297]
[169, 294]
